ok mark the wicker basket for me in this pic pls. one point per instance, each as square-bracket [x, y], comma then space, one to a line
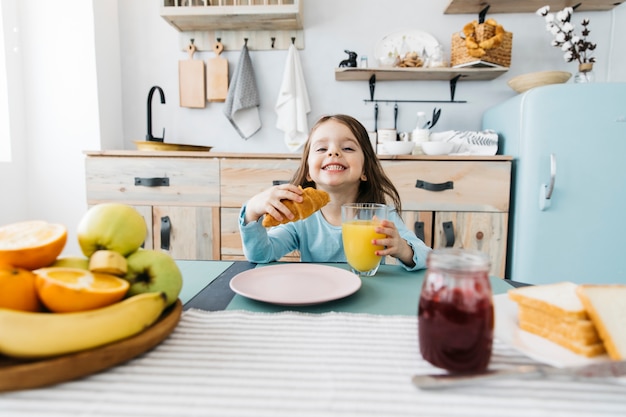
[501, 55]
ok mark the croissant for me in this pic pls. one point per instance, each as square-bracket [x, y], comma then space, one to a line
[313, 200]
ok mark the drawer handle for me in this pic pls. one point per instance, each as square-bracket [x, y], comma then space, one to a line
[419, 230]
[279, 182]
[429, 186]
[166, 228]
[153, 182]
[448, 231]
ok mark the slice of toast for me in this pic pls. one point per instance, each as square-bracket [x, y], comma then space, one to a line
[578, 330]
[606, 305]
[568, 343]
[558, 299]
[555, 312]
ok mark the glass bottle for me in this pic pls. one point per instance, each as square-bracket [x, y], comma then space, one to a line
[455, 313]
[585, 73]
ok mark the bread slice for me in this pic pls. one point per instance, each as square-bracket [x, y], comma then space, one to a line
[580, 331]
[313, 200]
[588, 350]
[555, 312]
[558, 299]
[606, 305]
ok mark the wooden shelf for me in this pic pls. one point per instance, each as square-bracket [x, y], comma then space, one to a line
[416, 74]
[526, 6]
[275, 15]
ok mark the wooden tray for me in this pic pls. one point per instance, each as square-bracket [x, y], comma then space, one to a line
[16, 374]
[163, 146]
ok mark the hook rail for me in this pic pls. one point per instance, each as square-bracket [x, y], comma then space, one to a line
[258, 40]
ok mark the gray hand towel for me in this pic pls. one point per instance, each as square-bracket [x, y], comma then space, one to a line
[242, 102]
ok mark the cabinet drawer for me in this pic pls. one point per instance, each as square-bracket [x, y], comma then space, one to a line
[179, 181]
[243, 178]
[465, 185]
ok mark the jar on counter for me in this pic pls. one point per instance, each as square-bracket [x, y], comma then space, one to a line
[363, 63]
[455, 312]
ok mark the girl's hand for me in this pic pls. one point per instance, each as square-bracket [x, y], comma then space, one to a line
[269, 202]
[394, 245]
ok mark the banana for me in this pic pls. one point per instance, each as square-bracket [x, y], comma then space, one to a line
[39, 335]
[108, 262]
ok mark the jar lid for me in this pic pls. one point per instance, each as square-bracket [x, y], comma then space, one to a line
[458, 259]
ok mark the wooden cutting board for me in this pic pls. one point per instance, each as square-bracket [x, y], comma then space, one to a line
[217, 76]
[23, 374]
[191, 81]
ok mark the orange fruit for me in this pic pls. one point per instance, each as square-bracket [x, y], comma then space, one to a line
[17, 289]
[31, 244]
[64, 290]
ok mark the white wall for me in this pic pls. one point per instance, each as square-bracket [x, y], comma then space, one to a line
[150, 53]
[59, 114]
[83, 69]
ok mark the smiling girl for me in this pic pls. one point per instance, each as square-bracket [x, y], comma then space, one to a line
[338, 158]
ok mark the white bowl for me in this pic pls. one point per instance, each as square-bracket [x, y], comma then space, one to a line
[397, 147]
[437, 148]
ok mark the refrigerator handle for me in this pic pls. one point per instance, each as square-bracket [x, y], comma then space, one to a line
[545, 191]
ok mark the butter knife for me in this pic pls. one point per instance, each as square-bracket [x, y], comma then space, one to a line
[603, 372]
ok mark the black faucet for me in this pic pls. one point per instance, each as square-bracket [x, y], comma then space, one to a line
[149, 136]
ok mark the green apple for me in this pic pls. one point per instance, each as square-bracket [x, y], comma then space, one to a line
[153, 271]
[111, 226]
[72, 262]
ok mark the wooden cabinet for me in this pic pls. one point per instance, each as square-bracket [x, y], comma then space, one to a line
[450, 201]
[460, 203]
[178, 197]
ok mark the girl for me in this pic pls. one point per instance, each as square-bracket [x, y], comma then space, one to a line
[337, 158]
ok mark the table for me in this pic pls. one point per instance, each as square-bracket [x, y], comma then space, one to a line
[252, 362]
[392, 291]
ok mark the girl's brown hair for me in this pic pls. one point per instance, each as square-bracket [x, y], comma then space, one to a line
[377, 187]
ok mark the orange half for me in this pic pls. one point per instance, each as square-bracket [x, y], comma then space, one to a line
[63, 290]
[31, 244]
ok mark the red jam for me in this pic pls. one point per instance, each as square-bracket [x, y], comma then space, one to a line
[455, 314]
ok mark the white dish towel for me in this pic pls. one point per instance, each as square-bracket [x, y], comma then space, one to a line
[242, 103]
[293, 104]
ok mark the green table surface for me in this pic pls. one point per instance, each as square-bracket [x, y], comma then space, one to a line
[392, 291]
[197, 275]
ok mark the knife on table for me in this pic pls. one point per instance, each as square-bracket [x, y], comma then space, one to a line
[604, 372]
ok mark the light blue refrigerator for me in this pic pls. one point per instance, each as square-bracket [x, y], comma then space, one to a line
[568, 207]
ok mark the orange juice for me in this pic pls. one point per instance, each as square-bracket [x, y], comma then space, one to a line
[357, 244]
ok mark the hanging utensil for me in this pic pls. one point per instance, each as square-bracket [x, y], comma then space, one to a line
[376, 117]
[395, 116]
[436, 115]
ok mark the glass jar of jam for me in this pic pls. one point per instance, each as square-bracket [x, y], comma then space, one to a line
[455, 312]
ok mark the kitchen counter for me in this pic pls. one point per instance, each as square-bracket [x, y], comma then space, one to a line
[211, 154]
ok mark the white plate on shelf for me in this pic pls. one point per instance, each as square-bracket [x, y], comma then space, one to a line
[415, 40]
[538, 348]
[296, 284]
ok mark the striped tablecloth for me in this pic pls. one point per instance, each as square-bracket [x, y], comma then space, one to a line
[236, 363]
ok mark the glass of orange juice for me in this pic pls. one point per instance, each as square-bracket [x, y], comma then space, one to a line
[358, 225]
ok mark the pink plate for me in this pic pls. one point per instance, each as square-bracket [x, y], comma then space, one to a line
[295, 284]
